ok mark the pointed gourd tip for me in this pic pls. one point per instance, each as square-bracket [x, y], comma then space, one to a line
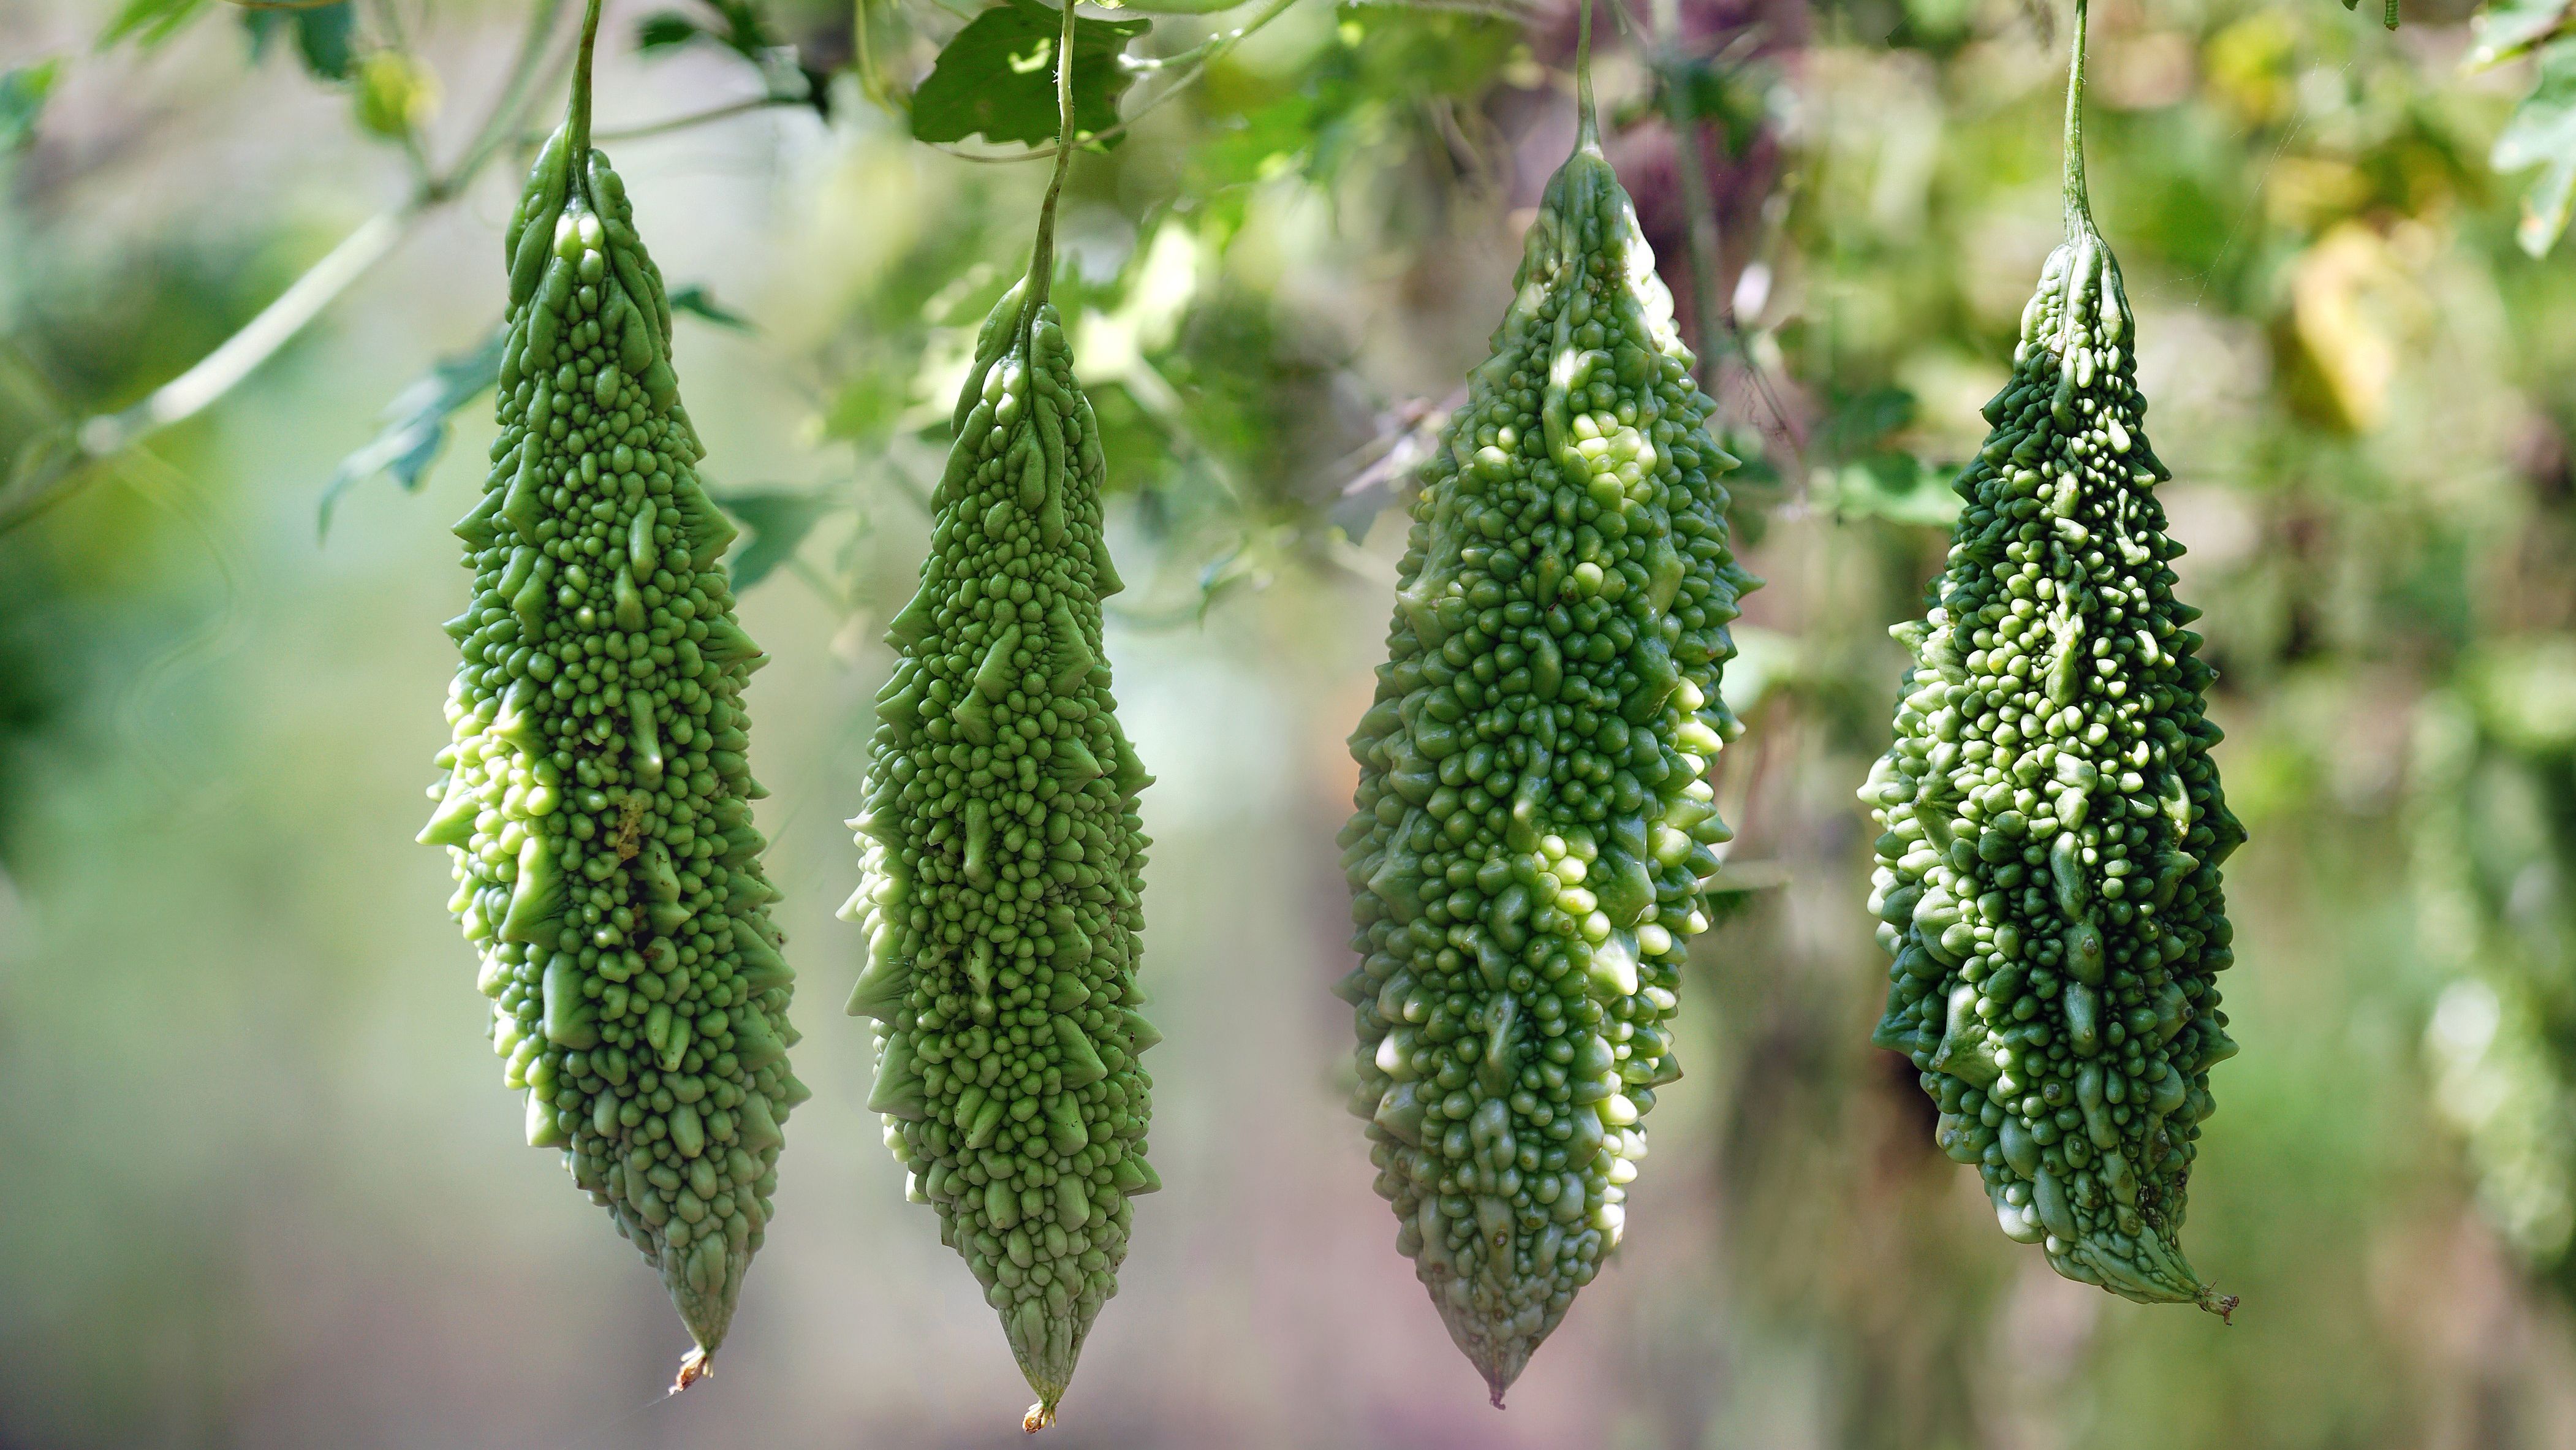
[1500, 1363]
[1039, 1416]
[696, 1365]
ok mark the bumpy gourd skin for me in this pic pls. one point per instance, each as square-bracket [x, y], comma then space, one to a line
[2049, 878]
[596, 802]
[1532, 831]
[1002, 859]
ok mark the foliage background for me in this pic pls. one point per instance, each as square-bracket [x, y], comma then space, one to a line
[258, 1186]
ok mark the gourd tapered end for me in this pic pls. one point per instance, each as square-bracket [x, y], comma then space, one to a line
[1498, 1353]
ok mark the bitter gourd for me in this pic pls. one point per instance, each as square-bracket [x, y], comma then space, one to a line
[597, 799]
[1532, 829]
[1002, 855]
[2048, 883]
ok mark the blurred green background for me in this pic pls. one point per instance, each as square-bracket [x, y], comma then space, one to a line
[259, 1186]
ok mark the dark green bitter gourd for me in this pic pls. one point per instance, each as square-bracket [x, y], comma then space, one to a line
[597, 800]
[2048, 883]
[1002, 857]
[1533, 832]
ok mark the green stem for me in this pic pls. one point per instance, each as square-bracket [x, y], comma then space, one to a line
[577, 112]
[2078, 209]
[1587, 127]
[1042, 260]
[664, 127]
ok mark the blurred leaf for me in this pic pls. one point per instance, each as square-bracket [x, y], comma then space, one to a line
[997, 77]
[2512, 27]
[1898, 486]
[324, 36]
[2345, 292]
[1725, 96]
[22, 99]
[869, 405]
[773, 524]
[2543, 133]
[396, 93]
[2525, 690]
[416, 423]
[665, 29]
[698, 301]
[1861, 421]
[740, 27]
[149, 22]
[1172, 7]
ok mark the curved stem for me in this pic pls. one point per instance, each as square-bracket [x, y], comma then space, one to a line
[669, 124]
[1587, 131]
[2078, 207]
[577, 110]
[1042, 259]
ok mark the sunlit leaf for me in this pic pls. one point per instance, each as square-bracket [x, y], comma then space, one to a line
[997, 78]
[1897, 486]
[2543, 133]
[1172, 7]
[22, 99]
[773, 525]
[2513, 27]
[869, 405]
[149, 22]
[416, 423]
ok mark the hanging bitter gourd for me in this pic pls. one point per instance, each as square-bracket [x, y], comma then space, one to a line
[1002, 856]
[1532, 830]
[597, 800]
[2048, 883]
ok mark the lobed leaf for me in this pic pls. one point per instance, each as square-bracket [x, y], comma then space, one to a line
[997, 77]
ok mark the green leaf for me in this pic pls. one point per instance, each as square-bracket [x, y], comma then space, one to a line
[1723, 95]
[696, 299]
[22, 100]
[773, 525]
[2512, 27]
[1861, 421]
[665, 30]
[150, 22]
[416, 423]
[1172, 7]
[2542, 133]
[998, 77]
[739, 26]
[1896, 486]
[325, 36]
[869, 405]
